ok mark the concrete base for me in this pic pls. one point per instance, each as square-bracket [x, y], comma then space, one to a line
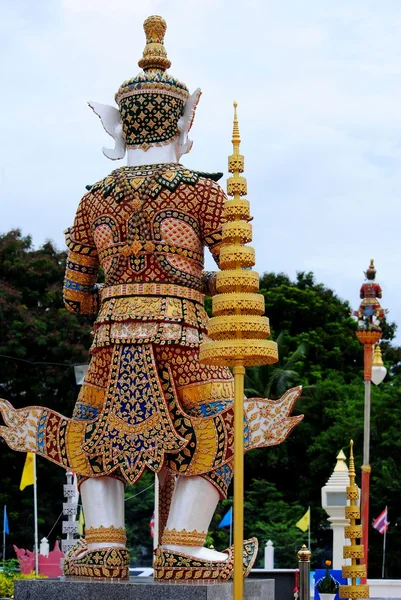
[39, 589]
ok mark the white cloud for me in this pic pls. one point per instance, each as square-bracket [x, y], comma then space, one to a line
[319, 98]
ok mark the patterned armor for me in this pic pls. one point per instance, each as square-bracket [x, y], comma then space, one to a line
[147, 227]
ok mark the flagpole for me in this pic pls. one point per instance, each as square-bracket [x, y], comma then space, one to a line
[231, 528]
[156, 514]
[309, 528]
[35, 516]
[384, 546]
[4, 534]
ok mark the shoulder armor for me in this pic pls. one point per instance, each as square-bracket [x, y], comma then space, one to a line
[213, 176]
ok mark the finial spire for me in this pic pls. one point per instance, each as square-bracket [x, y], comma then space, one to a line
[352, 473]
[353, 532]
[236, 140]
[154, 56]
[377, 357]
[341, 464]
[370, 272]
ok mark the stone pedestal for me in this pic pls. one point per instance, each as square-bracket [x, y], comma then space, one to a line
[51, 589]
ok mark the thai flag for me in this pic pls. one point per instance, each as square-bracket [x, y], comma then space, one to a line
[381, 523]
[152, 526]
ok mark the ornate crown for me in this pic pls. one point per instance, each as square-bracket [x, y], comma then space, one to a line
[152, 102]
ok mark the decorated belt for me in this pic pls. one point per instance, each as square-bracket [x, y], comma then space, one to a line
[151, 289]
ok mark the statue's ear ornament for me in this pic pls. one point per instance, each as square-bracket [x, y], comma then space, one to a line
[111, 121]
[185, 122]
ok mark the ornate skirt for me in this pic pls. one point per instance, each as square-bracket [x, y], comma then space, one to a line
[148, 405]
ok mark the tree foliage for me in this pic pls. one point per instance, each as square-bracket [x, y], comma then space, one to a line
[40, 342]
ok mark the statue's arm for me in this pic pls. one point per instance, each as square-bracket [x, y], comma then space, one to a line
[81, 294]
[211, 224]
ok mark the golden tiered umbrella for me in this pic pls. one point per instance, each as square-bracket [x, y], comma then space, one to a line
[353, 532]
[238, 330]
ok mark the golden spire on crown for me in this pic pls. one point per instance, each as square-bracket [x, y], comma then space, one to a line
[238, 329]
[154, 56]
[353, 532]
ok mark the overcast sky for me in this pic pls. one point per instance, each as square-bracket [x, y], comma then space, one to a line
[318, 86]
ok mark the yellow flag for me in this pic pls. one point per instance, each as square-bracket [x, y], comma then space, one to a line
[303, 523]
[27, 474]
[81, 522]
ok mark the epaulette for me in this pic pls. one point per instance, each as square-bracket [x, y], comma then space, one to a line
[95, 186]
[126, 178]
[213, 176]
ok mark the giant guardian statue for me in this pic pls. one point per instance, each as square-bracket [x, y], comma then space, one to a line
[147, 402]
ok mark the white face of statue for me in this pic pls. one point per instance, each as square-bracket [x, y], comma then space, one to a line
[111, 121]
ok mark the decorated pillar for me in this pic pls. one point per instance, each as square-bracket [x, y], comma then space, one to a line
[354, 550]
[238, 329]
[369, 315]
[70, 508]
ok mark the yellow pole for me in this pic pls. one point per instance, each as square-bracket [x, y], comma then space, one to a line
[239, 373]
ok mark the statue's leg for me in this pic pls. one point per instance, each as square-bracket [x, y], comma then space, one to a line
[103, 504]
[195, 498]
[102, 554]
[192, 508]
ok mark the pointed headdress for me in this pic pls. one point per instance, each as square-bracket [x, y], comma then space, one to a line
[152, 102]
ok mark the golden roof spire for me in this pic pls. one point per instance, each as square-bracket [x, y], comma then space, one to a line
[154, 56]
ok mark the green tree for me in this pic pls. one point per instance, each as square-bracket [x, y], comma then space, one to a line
[271, 381]
[40, 341]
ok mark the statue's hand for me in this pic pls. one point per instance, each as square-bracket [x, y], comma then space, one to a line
[20, 430]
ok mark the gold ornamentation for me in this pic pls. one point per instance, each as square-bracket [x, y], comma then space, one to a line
[354, 571]
[239, 303]
[353, 532]
[353, 551]
[246, 281]
[101, 535]
[102, 563]
[237, 209]
[229, 352]
[236, 185]
[221, 328]
[232, 256]
[151, 289]
[154, 55]
[354, 591]
[175, 566]
[183, 537]
[236, 163]
[352, 512]
[236, 231]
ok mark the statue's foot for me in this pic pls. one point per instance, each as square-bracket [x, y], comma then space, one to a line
[170, 565]
[101, 563]
[78, 548]
[198, 552]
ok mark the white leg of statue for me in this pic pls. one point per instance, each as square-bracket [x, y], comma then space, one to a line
[192, 507]
[103, 502]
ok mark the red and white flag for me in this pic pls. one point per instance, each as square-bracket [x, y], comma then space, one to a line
[152, 526]
[381, 523]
